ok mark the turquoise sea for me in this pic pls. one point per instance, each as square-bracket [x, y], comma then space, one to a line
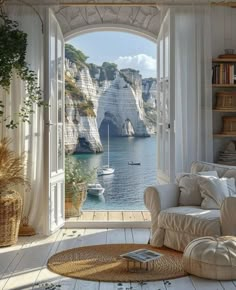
[123, 189]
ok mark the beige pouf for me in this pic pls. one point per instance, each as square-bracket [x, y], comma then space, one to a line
[212, 258]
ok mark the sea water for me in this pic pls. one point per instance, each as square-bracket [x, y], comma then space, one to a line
[124, 189]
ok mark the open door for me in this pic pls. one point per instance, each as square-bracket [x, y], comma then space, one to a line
[54, 123]
[165, 102]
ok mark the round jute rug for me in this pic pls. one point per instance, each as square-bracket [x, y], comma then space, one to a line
[103, 263]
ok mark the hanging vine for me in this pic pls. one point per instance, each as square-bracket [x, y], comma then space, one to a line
[13, 44]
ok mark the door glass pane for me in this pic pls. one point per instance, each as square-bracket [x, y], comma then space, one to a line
[166, 102]
[53, 152]
[60, 146]
[60, 91]
[59, 58]
[53, 75]
[166, 152]
[161, 59]
[166, 57]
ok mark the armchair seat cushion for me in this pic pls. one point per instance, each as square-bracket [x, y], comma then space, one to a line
[184, 223]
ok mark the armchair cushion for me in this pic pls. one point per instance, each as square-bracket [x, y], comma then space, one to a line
[184, 223]
[189, 187]
[215, 190]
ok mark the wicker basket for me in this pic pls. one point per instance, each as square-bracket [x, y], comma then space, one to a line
[226, 101]
[229, 125]
[75, 195]
[10, 216]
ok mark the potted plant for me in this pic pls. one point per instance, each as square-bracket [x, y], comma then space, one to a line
[11, 173]
[76, 179]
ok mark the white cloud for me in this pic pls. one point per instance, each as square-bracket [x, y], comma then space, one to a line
[142, 62]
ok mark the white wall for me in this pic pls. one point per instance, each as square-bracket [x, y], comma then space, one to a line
[223, 29]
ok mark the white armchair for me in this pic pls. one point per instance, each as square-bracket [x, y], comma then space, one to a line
[175, 226]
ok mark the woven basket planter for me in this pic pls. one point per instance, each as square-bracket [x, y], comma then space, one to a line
[75, 195]
[10, 217]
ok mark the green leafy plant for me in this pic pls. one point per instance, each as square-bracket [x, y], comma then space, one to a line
[76, 172]
[13, 44]
[76, 178]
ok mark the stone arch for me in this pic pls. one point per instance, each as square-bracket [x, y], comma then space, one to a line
[110, 119]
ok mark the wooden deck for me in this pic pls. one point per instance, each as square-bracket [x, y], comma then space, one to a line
[110, 219]
[23, 266]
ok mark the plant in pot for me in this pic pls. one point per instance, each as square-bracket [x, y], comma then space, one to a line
[12, 173]
[76, 179]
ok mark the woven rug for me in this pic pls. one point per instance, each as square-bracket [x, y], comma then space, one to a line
[103, 263]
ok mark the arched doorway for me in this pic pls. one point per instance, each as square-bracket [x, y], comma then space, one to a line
[145, 23]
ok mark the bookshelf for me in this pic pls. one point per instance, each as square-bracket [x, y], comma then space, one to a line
[224, 106]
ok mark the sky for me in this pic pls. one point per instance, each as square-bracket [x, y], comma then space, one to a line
[125, 49]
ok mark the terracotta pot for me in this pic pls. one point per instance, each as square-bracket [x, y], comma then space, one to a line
[75, 195]
[10, 217]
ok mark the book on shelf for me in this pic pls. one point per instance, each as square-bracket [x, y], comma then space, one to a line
[142, 255]
[224, 73]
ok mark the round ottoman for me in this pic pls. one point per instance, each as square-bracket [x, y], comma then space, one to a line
[212, 258]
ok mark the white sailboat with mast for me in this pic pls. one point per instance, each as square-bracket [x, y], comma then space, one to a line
[106, 169]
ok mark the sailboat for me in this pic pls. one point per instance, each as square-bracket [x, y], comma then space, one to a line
[106, 169]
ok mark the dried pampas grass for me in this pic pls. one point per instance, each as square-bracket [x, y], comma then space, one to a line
[12, 167]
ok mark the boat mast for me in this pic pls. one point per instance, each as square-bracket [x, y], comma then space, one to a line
[108, 144]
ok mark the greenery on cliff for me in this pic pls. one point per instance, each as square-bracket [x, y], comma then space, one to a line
[75, 55]
[80, 100]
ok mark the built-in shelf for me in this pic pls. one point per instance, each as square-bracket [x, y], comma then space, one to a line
[223, 86]
[224, 111]
[224, 136]
[224, 60]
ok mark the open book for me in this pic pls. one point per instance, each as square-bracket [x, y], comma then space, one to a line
[142, 255]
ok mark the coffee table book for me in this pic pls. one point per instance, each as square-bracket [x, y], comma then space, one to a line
[142, 255]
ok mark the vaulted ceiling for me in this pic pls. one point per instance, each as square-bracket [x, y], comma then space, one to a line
[143, 20]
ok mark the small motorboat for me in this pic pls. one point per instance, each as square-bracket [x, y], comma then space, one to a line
[95, 189]
[134, 163]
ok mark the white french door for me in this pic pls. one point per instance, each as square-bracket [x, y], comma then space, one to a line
[165, 102]
[54, 123]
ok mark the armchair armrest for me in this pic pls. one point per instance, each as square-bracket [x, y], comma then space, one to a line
[228, 216]
[159, 197]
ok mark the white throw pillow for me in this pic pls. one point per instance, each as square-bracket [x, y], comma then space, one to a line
[214, 190]
[189, 187]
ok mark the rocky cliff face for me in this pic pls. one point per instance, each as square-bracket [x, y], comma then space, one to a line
[149, 92]
[104, 95]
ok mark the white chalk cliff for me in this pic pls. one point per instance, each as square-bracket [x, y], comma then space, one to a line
[116, 98]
